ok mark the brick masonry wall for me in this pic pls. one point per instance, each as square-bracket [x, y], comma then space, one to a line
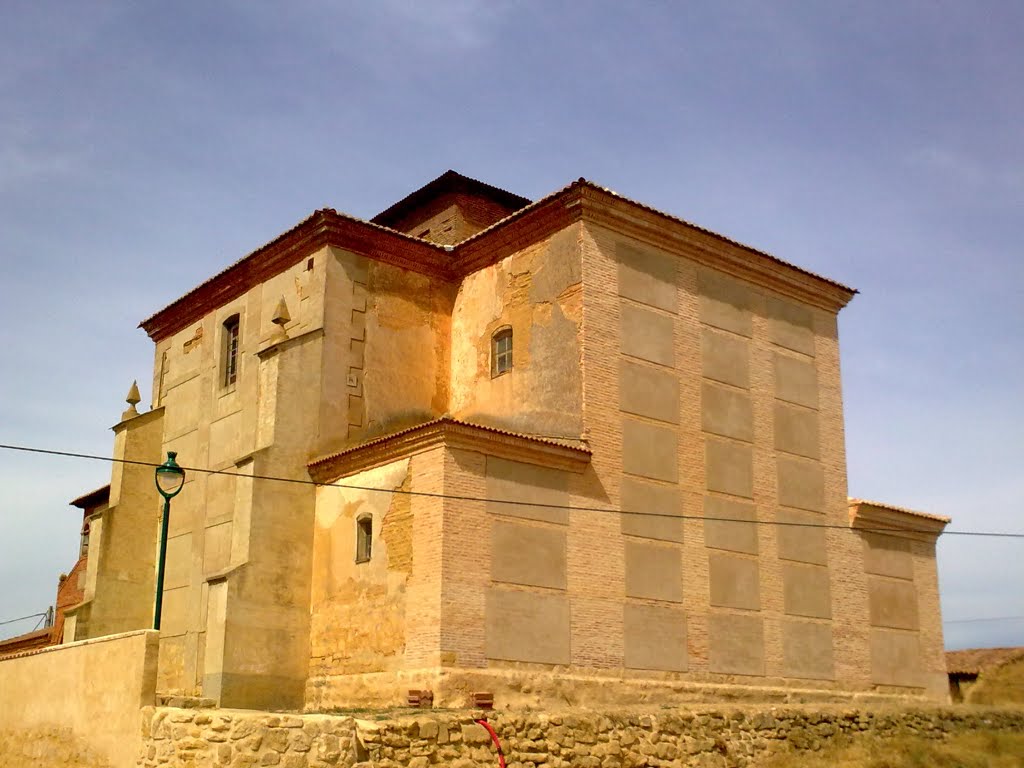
[702, 737]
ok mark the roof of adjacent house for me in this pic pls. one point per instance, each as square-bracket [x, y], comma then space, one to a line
[974, 661]
[448, 183]
[373, 238]
[92, 498]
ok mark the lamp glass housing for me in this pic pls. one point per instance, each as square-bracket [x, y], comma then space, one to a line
[169, 477]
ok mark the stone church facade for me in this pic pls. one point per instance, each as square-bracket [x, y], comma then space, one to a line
[573, 449]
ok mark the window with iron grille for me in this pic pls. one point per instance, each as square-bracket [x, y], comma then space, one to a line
[501, 352]
[230, 367]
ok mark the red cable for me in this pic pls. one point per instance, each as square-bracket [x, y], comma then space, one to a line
[494, 737]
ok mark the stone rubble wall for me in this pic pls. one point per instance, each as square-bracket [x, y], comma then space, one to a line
[708, 738]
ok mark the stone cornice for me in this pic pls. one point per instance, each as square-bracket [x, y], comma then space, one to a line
[641, 222]
[880, 518]
[449, 433]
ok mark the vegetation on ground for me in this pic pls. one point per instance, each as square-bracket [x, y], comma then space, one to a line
[1002, 685]
[981, 749]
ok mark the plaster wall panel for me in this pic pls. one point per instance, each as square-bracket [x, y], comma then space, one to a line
[724, 303]
[734, 582]
[220, 497]
[796, 431]
[528, 484]
[175, 611]
[727, 412]
[729, 468]
[725, 358]
[527, 626]
[739, 536]
[806, 591]
[807, 650]
[893, 603]
[796, 380]
[528, 554]
[647, 276]
[225, 440]
[179, 561]
[647, 391]
[736, 644]
[660, 502]
[888, 556]
[647, 334]
[217, 548]
[801, 538]
[650, 451]
[895, 658]
[654, 571]
[791, 325]
[801, 484]
[182, 413]
[655, 637]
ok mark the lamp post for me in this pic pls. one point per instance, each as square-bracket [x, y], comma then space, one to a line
[169, 479]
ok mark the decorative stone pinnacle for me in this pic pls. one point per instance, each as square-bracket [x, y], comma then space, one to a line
[281, 315]
[133, 399]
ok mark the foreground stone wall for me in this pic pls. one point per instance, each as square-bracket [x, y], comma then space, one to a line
[702, 737]
[77, 705]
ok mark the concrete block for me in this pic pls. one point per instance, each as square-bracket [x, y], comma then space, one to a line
[896, 658]
[887, 556]
[893, 603]
[801, 484]
[791, 325]
[796, 431]
[531, 555]
[658, 501]
[807, 650]
[527, 626]
[805, 590]
[796, 380]
[724, 303]
[804, 543]
[528, 484]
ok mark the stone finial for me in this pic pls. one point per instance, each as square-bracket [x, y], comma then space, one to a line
[133, 399]
[281, 315]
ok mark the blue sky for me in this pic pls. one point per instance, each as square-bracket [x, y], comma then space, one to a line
[144, 146]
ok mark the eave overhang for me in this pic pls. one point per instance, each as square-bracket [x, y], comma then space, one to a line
[581, 200]
[875, 517]
[450, 433]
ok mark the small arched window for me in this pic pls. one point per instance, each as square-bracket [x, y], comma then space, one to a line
[230, 366]
[501, 351]
[364, 539]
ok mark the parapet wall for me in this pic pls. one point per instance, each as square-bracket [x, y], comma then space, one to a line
[77, 705]
[700, 737]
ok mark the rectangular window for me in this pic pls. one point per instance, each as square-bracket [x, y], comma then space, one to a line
[501, 352]
[230, 351]
[364, 539]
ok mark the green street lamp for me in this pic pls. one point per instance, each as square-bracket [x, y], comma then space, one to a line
[169, 480]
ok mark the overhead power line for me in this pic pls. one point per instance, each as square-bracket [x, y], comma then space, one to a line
[455, 497]
[987, 618]
[23, 618]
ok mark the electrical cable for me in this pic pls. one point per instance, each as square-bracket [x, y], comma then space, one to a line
[455, 497]
[22, 618]
[987, 618]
